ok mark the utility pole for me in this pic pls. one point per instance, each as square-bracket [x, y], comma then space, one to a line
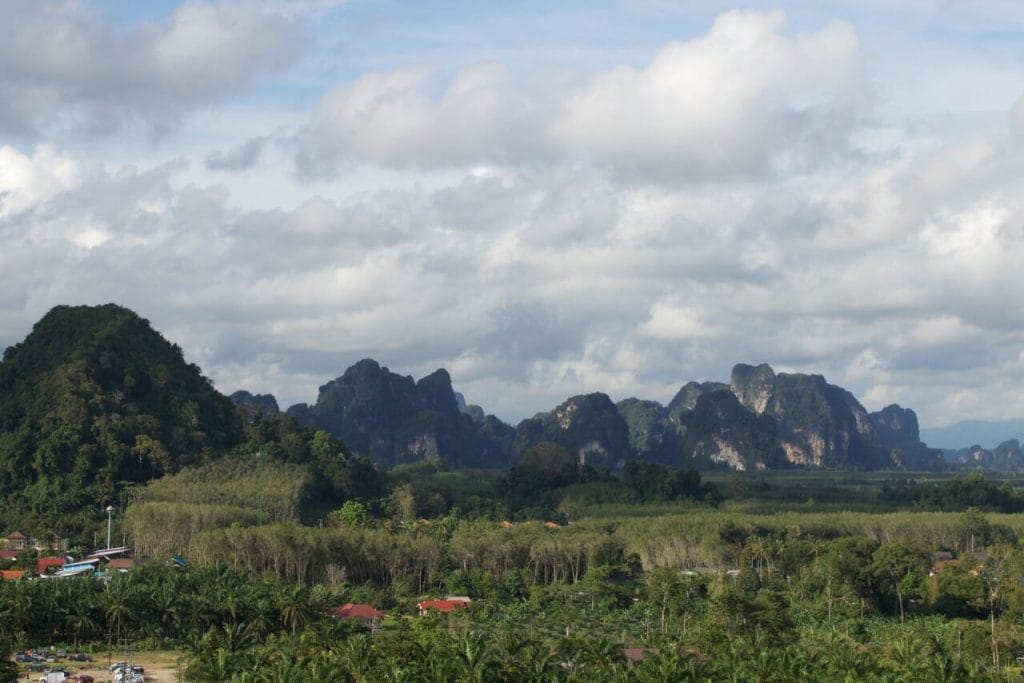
[259, 487]
[110, 510]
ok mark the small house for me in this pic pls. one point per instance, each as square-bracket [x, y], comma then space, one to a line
[45, 564]
[11, 575]
[120, 564]
[445, 606]
[16, 541]
[363, 613]
[51, 542]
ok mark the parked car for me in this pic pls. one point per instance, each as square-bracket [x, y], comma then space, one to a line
[126, 673]
[55, 675]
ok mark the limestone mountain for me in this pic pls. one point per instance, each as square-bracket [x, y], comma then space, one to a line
[253, 404]
[686, 398]
[760, 419]
[589, 426]
[1007, 456]
[721, 431]
[764, 420]
[898, 430]
[92, 400]
[654, 434]
[391, 419]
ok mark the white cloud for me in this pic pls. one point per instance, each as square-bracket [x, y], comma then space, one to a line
[669, 320]
[239, 158]
[26, 181]
[728, 102]
[62, 64]
[743, 98]
[390, 118]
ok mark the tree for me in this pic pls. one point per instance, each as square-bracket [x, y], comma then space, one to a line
[901, 565]
[352, 514]
[295, 611]
[849, 566]
[402, 503]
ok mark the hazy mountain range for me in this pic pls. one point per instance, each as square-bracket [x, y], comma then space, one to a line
[758, 420]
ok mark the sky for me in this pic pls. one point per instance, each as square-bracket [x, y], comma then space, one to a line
[546, 199]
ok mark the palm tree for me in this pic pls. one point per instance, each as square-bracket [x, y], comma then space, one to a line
[238, 638]
[477, 662]
[81, 620]
[536, 663]
[358, 654]
[295, 611]
[120, 606]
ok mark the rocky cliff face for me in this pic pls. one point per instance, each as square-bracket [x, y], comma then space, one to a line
[762, 420]
[653, 434]
[255, 404]
[721, 431]
[686, 398]
[391, 419]
[898, 433]
[1008, 455]
[822, 425]
[753, 386]
[759, 420]
[589, 426]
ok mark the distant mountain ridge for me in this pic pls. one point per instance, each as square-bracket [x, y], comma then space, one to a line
[392, 419]
[758, 420]
[967, 433]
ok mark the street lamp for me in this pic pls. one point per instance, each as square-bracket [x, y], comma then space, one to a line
[110, 509]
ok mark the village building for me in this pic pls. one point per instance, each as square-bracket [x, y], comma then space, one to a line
[16, 541]
[446, 606]
[367, 615]
[45, 564]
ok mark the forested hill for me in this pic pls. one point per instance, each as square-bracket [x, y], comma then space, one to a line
[94, 399]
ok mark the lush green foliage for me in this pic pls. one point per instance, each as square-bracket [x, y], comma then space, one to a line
[971, 490]
[808, 599]
[766, 577]
[94, 400]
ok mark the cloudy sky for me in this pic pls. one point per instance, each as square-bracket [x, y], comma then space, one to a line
[544, 198]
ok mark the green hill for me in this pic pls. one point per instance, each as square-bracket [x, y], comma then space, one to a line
[92, 401]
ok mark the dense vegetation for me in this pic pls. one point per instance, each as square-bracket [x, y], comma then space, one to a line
[572, 556]
[806, 597]
[94, 400]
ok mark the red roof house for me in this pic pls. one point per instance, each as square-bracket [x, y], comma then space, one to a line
[9, 554]
[356, 611]
[11, 575]
[45, 563]
[443, 606]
